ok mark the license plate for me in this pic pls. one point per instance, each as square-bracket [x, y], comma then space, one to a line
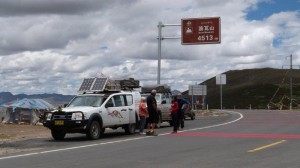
[59, 122]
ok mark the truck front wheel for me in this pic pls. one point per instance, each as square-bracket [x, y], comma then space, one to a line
[94, 131]
[58, 134]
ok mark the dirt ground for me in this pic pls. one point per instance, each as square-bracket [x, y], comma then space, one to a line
[10, 133]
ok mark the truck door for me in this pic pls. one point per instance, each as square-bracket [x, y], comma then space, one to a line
[166, 106]
[119, 113]
[133, 106]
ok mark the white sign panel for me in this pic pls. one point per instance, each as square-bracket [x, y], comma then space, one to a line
[197, 90]
[221, 79]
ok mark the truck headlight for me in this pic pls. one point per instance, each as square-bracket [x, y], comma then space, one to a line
[77, 116]
[48, 116]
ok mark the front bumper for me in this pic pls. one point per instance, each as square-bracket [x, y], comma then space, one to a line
[65, 124]
[64, 121]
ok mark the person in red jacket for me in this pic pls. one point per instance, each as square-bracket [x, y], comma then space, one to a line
[143, 113]
[174, 115]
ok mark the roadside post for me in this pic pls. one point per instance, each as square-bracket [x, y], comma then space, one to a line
[221, 80]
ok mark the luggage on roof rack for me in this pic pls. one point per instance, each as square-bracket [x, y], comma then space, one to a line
[105, 84]
[160, 88]
[129, 83]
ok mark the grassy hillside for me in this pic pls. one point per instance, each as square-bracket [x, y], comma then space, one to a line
[255, 87]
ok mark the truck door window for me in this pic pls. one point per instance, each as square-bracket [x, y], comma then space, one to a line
[168, 99]
[129, 100]
[158, 98]
[163, 99]
[110, 101]
[119, 100]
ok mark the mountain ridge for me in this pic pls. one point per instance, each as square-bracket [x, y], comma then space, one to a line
[255, 88]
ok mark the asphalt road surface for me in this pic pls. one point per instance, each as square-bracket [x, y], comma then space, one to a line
[240, 139]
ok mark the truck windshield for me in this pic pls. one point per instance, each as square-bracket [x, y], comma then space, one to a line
[94, 101]
[157, 97]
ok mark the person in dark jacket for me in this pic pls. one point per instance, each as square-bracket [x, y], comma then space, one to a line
[152, 111]
[182, 106]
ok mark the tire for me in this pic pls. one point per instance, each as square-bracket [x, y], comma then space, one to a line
[102, 131]
[130, 128]
[193, 117]
[158, 124]
[94, 130]
[58, 134]
[171, 123]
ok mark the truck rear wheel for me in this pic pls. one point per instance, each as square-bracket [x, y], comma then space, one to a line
[94, 131]
[158, 124]
[193, 117]
[130, 128]
[171, 123]
[58, 134]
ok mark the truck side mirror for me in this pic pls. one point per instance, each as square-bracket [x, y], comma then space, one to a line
[109, 104]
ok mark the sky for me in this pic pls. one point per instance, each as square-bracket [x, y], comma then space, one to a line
[51, 46]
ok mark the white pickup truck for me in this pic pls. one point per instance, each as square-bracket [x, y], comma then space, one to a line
[101, 104]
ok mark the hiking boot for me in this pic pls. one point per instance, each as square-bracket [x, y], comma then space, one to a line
[151, 133]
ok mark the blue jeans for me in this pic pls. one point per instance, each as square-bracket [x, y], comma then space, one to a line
[142, 123]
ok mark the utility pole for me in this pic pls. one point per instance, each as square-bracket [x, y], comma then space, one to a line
[160, 25]
[291, 79]
[291, 82]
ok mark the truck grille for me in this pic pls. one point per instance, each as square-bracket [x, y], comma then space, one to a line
[62, 116]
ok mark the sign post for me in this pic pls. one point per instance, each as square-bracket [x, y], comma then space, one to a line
[221, 80]
[193, 31]
[160, 38]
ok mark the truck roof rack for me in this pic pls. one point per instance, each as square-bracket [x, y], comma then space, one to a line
[103, 84]
[160, 88]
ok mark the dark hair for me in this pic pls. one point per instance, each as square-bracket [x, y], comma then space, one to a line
[174, 98]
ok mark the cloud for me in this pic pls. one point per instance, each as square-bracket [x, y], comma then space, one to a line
[64, 7]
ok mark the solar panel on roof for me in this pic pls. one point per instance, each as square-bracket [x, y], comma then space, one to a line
[86, 84]
[99, 84]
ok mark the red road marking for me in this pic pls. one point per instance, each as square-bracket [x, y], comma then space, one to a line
[238, 135]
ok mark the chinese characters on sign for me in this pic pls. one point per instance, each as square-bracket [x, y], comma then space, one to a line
[201, 30]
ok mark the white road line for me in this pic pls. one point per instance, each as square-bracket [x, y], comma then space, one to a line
[217, 125]
[119, 141]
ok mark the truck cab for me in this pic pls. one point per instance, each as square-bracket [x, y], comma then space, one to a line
[100, 104]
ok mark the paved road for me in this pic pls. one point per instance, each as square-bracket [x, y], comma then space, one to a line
[241, 139]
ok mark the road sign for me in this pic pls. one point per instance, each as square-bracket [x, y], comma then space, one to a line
[221, 79]
[201, 30]
[197, 90]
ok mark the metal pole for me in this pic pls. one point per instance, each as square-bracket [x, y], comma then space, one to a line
[160, 25]
[160, 38]
[291, 82]
[221, 96]
[192, 97]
